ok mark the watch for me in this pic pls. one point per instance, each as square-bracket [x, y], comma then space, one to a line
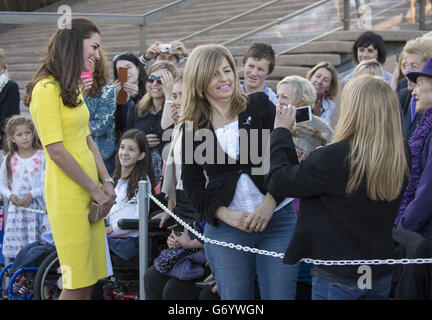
[110, 180]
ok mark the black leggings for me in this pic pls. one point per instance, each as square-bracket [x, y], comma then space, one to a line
[161, 287]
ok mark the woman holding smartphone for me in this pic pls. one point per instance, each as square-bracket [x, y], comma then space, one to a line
[234, 202]
[74, 165]
[350, 190]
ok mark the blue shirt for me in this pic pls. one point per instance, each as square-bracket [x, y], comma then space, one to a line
[269, 92]
[102, 110]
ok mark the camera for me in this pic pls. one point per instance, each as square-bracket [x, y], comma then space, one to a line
[166, 48]
[303, 114]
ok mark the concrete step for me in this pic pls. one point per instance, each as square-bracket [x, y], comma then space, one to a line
[307, 59]
[325, 47]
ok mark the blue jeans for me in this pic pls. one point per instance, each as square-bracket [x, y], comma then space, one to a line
[235, 270]
[326, 290]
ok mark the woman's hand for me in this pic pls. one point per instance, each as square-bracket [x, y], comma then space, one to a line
[87, 84]
[108, 189]
[14, 199]
[167, 84]
[179, 48]
[153, 140]
[172, 242]
[175, 113]
[285, 118]
[103, 200]
[131, 89]
[234, 218]
[26, 200]
[153, 51]
[258, 220]
[163, 216]
[183, 239]
[117, 85]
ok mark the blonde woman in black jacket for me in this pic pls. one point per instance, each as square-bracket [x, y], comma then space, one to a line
[350, 190]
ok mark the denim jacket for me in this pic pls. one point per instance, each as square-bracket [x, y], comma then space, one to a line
[102, 110]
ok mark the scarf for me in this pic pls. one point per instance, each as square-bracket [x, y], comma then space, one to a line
[416, 145]
[3, 80]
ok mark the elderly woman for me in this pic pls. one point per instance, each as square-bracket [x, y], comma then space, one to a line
[368, 45]
[297, 91]
[369, 67]
[415, 211]
[324, 78]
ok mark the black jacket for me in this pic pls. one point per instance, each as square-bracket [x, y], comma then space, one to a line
[331, 224]
[220, 189]
[9, 104]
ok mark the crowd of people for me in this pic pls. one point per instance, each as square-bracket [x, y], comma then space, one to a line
[333, 188]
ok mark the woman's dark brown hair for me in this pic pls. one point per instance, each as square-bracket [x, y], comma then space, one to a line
[100, 76]
[143, 167]
[64, 61]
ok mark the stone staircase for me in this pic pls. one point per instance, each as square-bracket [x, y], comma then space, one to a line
[23, 44]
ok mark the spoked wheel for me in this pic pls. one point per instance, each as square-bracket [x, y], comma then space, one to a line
[48, 276]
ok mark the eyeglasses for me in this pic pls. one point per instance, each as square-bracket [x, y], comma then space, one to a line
[151, 78]
[126, 53]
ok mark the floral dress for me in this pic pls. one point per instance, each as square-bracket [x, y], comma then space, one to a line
[22, 226]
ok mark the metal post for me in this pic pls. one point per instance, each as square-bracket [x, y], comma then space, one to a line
[143, 207]
[143, 39]
[346, 18]
[422, 14]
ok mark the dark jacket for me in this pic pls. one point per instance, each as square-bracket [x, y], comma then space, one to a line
[331, 225]
[418, 214]
[150, 123]
[9, 104]
[220, 189]
[411, 281]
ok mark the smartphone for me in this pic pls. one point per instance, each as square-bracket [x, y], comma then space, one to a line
[122, 74]
[87, 74]
[303, 114]
[95, 211]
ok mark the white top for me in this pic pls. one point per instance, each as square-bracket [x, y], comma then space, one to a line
[328, 108]
[34, 166]
[128, 212]
[247, 196]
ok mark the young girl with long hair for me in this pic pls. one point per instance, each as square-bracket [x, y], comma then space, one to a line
[22, 184]
[350, 190]
[133, 164]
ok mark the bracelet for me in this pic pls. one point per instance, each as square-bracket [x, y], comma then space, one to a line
[169, 101]
[110, 180]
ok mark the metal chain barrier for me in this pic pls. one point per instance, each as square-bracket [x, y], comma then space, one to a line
[281, 255]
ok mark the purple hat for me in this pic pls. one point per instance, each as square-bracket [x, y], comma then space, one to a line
[426, 72]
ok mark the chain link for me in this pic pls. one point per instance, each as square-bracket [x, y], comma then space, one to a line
[281, 255]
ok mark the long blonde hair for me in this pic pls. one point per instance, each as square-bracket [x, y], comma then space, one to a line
[370, 121]
[146, 103]
[198, 73]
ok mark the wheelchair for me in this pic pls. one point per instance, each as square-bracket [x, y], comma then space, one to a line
[43, 281]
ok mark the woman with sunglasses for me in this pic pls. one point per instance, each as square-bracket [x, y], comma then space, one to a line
[135, 86]
[147, 114]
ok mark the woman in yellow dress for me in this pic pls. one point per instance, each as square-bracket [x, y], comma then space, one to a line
[74, 164]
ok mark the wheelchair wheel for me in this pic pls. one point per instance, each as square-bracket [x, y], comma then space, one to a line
[47, 278]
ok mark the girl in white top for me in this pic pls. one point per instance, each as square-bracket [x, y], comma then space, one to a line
[133, 163]
[21, 181]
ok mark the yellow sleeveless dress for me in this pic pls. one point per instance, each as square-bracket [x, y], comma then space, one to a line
[80, 244]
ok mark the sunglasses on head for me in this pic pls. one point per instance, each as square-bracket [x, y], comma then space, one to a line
[151, 78]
